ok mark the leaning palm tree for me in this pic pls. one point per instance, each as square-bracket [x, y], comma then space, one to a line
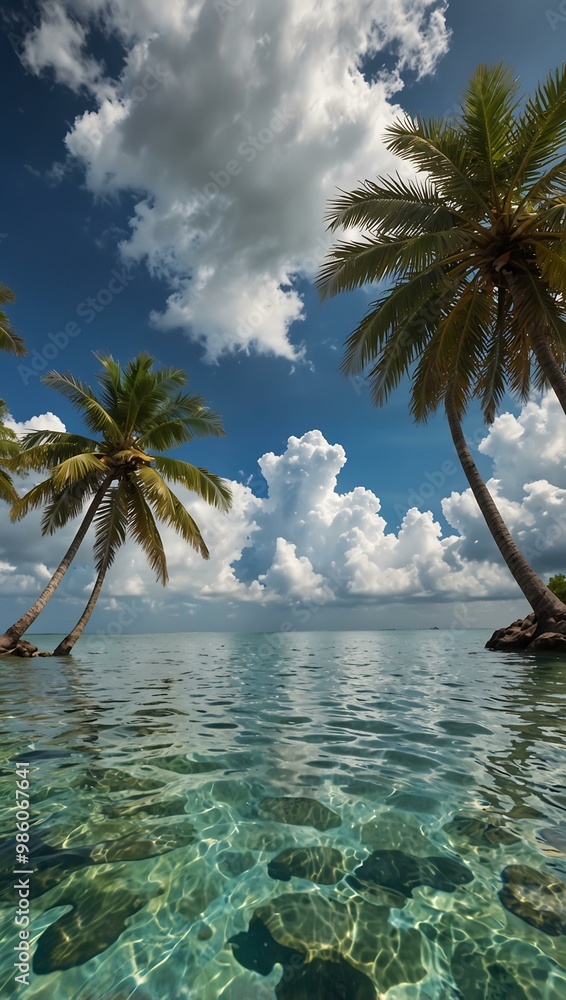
[9, 448]
[9, 339]
[123, 487]
[477, 250]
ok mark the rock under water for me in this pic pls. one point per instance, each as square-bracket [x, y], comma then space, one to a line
[479, 832]
[402, 872]
[256, 949]
[97, 919]
[322, 865]
[300, 811]
[351, 945]
[52, 865]
[325, 980]
[538, 899]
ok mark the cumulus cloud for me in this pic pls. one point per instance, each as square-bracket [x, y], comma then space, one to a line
[235, 122]
[57, 43]
[44, 422]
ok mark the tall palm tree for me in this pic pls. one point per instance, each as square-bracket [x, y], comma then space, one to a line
[9, 339]
[9, 448]
[139, 408]
[477, 249]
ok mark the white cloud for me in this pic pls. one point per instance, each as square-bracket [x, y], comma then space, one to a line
[44, 422]
[528, 452]
[292, 576]
[235, 124]
[57, 43]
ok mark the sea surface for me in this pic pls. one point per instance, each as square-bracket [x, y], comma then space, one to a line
[292, 816]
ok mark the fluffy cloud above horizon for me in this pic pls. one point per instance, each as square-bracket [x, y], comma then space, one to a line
[234, 123]
[304, 545]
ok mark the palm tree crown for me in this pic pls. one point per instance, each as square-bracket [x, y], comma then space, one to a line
[477, 248]
[139, 408]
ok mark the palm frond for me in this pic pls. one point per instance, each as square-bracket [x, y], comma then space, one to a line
[182, 418]
[352, 265]
[143, 529]
[400, 306]
[211, 488]
[169, 509]
[31, 500]
[42, 450]
[391, 205]
[535, 306]
[10, 341]
[8, 491]
[485, 120]
[437, 149]
[62, 506]
[111, 522]
[541, 130]
[551, 259]
[82, 396]
[75, 468]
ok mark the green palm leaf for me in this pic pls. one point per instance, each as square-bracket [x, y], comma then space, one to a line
[208, 486]
[76, 468]
[111, 523]
[142, 527]
[82, 396]
[10, 341]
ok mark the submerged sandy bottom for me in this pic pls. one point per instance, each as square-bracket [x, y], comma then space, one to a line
[315, 816]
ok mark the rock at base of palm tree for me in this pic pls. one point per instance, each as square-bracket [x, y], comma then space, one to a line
[24, 649]
[531, 635]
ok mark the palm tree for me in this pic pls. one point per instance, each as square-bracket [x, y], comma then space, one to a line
[477, 249]
[138, 409]
[9, 448]
[9, 339]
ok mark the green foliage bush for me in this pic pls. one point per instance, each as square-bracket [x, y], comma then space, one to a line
[557, 584]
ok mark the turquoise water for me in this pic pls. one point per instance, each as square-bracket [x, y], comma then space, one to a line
[310, 816]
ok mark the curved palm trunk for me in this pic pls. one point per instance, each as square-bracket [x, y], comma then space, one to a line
[66, 645]
[549, 365]
[11, 636]
[543, 602]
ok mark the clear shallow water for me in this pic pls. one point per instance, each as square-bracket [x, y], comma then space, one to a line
[158, 766]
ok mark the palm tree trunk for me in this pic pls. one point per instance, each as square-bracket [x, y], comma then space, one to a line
[11, 636]
[66, 645]
[543, 602]
[549, 365]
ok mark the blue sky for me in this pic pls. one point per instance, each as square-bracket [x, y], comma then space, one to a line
[69, 203]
